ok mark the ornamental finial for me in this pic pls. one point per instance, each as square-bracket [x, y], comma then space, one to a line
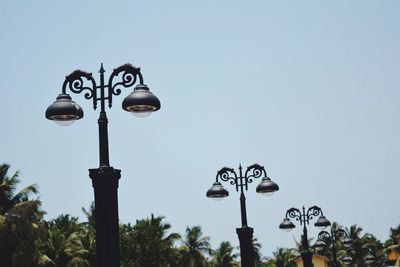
[101, 70]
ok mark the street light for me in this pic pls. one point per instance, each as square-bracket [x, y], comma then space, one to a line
[368, 259]
[359, 249]
[304, 219]
[64, 111]
[218, 192]
[333, 237]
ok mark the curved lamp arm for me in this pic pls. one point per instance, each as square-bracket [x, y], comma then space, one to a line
[253, 172]
[324, 235]
[76, 84]
[333, 236]
[228, 174]
[128, 79]
[294, 214]
[339, 233]
[313, 212]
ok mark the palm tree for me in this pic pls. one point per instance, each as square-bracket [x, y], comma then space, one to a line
[284, 257]
[361, 244]
[127, 246]
[89, 238]
[194, 247]
[371, 243]
[62, 245]
[354, 232]
[20, 219]
[224, 256]
[268, 262]
[9, 199]
[257, 252]
[148, 244]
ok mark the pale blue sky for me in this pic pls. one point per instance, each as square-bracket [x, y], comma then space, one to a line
[309, 89]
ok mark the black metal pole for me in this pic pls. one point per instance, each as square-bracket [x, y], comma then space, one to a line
[105, 185]
[306, 254]
[246, 246]
[245, 233]
[242, 197]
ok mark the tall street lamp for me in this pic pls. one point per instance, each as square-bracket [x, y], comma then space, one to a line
[218, 192]
[334, 236]
[304, 218]
[64, 111]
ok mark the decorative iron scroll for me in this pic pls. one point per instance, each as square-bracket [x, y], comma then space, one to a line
[252, 172]
[76, 83]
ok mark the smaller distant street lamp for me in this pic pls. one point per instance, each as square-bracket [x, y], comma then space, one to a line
[304, 218]
[218, 192]
[333, 237]
[368, 259]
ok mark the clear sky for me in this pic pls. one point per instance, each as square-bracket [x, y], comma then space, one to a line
[309, 89]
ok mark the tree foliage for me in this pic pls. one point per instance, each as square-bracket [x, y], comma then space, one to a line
[27, 240]
[224, 256]
[195, 247]
[20, 219]
[148, 243]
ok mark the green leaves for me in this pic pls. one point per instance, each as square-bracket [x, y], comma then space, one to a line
[62, 244]
[224, 256]
[194, 247]
[148, 243]
[27, 240]
[20, 220]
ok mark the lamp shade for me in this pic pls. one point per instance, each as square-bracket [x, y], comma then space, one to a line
[322, 223]
[217, 191]
[286, 225]
[369, 258]
[347, 242]
[346, 259]
[141, 101]
[64, 111]
[267, 187]
[319, 244]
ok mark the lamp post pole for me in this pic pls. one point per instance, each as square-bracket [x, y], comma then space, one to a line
[245, 233]
[64, 111]
[267, 187]
[304, 218]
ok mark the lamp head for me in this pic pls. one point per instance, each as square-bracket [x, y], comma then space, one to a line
[347, 242]
[64, 111]
[322, 223]
[267, 187]
[286, 225]
[217, 191]
[369, 259]
[319, 244]
[346, 259]
[141, 102]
